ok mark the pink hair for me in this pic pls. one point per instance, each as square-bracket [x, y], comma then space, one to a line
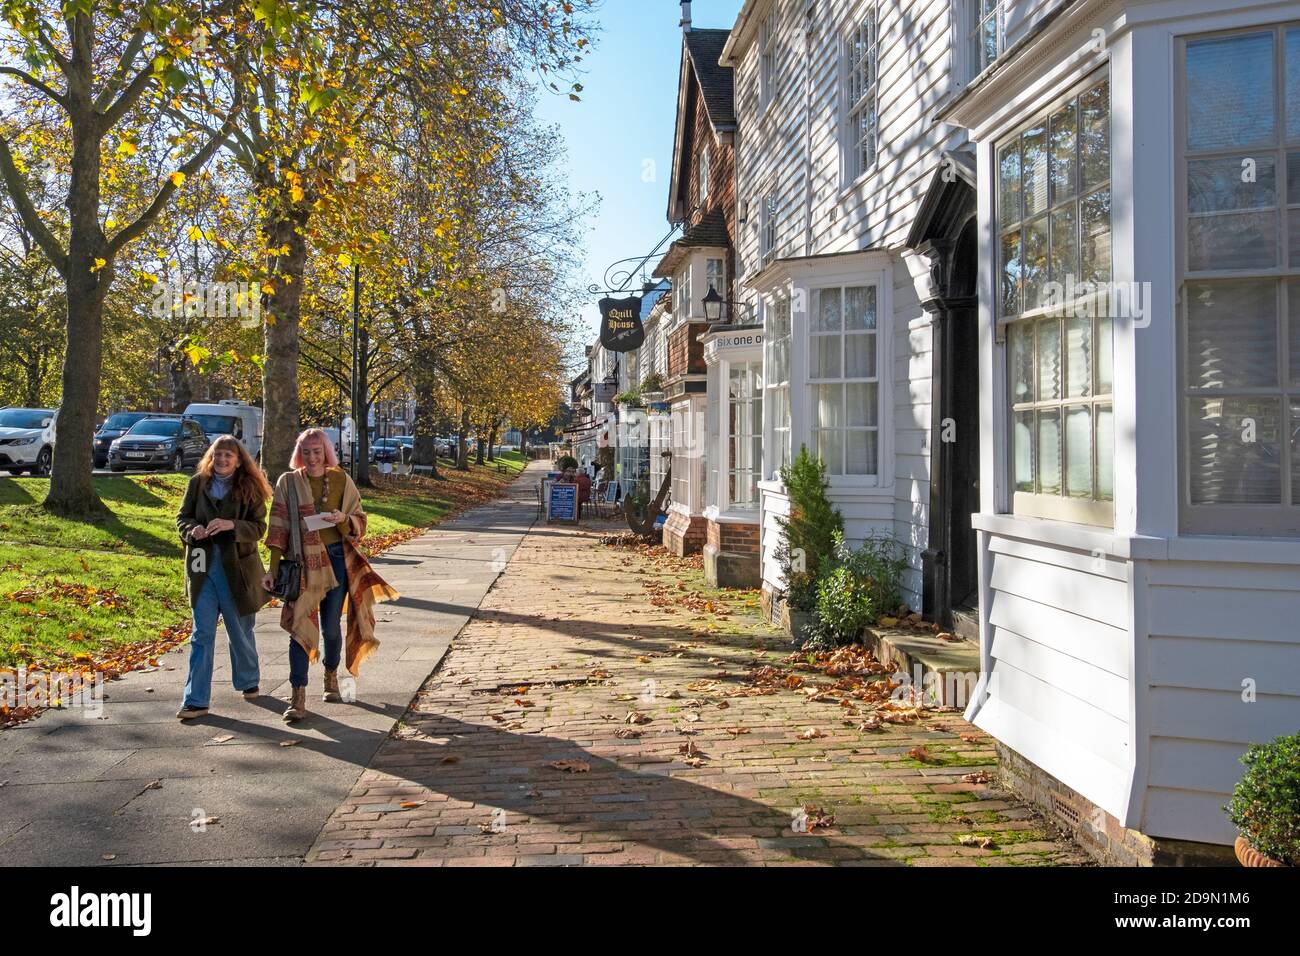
[311, 435]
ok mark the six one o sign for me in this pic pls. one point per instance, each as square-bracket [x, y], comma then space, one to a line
[620, 324]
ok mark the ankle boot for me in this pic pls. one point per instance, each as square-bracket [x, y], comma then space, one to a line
[297, 706]
[331, 695]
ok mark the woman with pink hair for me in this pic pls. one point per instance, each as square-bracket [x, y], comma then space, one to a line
[332, 567]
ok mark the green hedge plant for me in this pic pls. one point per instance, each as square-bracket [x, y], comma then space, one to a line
[857, 588]
[1265, 804]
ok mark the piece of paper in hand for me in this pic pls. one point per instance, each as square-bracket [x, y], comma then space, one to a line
[316, 523]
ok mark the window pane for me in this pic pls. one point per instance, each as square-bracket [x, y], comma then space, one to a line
[1064, 133]
[1049, 451]
[1011, 269]
[1035, 160]
[1065, 244]
[830, 448]
[1049, 359]
[1022, 450]
[859, 308]
[828, 406]
[1078, 451]
[1244, 240]
[1234, 450]
[1232, 334]
[1094, 135]
[826, 310]
[1230, 90]
[1105, 452]
[1035, 262]
[863, 408]
[1009, 183]
[1293, 84]
[861, 449]
[1021, 343]
[1232, 182]
[1293, 319]
[1095, 213]
[825, 356]
[860, 355]
[1105, 357]
[1078, 357]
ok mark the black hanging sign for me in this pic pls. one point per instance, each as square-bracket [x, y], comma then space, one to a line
[620, 324]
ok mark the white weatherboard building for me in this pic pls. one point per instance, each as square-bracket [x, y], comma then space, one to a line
[1071, 228]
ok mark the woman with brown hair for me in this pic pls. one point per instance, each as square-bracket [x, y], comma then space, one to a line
[221, 521]
[332, 568]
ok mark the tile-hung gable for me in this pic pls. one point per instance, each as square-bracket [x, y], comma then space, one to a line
[701, 201]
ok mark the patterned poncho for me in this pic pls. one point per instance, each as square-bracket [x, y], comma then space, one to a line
[365, 586]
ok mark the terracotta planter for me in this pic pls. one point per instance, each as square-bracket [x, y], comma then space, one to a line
[1247, 855]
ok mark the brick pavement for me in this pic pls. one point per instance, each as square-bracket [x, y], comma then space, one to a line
[578, 637]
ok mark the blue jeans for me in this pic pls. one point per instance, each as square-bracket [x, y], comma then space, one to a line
[216, 599]
[331, 623]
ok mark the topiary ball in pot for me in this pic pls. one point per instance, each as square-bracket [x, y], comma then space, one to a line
[1265, 805]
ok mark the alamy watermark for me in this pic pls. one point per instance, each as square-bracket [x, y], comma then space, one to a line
[1104, 299]
[208, 300]
[22, 688]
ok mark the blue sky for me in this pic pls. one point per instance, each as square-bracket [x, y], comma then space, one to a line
[624, 120]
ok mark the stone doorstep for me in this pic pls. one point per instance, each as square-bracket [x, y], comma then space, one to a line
[909, 650]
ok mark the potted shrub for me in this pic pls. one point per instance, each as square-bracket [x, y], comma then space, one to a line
[807, 541]
[1265, 805]
[565, 462]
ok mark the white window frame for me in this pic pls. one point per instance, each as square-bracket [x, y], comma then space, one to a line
[814, 291]
[727, 471]
[978, 14]
[861, 85]
[767, 72]
[1061, 506]
[767, 229]
[1282, 519]
[777, 450]
[715, 275]
[682, 295]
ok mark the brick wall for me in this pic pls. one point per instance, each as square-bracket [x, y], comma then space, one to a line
[733, 538]
[684, 535]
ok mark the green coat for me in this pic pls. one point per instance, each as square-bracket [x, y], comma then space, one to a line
[239, 556]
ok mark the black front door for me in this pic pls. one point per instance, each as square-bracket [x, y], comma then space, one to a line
[963, 479]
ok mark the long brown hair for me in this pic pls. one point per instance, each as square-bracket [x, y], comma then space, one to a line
[249, 484]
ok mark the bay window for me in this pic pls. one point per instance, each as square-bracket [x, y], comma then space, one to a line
[1239, 321]
[776, 345]
[1056, 304]
[844, 378]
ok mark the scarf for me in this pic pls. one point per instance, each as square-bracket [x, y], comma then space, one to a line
[365, 587]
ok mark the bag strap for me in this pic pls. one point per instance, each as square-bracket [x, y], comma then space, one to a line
[295, 519]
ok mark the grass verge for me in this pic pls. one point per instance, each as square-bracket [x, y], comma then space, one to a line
[103, 593]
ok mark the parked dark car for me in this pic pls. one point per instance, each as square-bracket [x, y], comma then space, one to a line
[386, 450]
[175, 443]
[117, 425]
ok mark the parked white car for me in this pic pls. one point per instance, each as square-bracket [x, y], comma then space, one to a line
[27, 440]
[230, 417]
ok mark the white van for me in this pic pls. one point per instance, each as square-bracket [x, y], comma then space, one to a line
[231, 417]
[342, 444]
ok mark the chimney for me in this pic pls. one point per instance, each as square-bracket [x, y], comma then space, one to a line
[686, 16]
